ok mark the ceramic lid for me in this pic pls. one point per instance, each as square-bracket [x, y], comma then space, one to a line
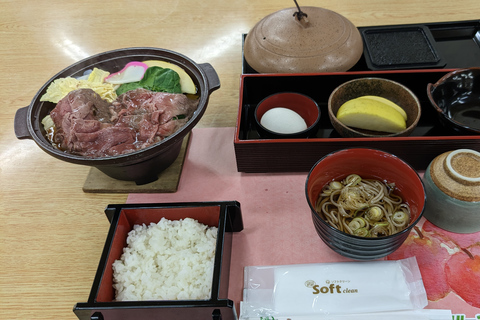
[317, 40]
[457, 174]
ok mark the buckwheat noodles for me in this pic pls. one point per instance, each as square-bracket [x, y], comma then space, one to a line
[363, 207]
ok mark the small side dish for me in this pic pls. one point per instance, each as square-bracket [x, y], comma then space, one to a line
[373, 107]
[287, 115]
[455, 98]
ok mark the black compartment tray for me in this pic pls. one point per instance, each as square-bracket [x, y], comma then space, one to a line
[254, 154]
[456, 43]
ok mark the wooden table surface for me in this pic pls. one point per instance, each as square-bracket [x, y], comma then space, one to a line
[51, 232]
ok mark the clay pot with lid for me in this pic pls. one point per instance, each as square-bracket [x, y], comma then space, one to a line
[309, 40]
[452, 184]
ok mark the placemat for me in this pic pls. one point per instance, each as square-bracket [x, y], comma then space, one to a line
[98, 182]
[278, 228]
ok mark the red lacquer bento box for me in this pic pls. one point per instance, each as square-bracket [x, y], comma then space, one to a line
[454, 42]
[225, 216]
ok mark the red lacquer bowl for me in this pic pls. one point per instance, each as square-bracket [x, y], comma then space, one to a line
[303, 105]
[368, 163]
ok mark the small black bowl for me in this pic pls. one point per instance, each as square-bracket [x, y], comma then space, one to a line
[456, 98]
[303, 105]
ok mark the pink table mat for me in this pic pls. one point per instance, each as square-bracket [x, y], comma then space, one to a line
[278, 228]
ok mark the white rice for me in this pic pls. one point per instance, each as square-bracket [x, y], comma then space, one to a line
[168, 260]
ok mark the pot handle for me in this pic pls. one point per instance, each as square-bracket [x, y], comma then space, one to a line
[212, 76]
[20, 124]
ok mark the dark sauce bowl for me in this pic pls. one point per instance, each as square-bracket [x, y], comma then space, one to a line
[456, 98]
[142, 166]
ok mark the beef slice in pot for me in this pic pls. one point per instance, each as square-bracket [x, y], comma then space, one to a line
[89, 126]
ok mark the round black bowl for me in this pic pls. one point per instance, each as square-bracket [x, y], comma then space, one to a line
[142, 166]
[456, 99]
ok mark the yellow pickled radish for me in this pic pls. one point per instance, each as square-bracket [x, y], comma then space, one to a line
[389, 103]
[371, 114]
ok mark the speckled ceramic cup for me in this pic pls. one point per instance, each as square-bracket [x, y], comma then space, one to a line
[452, 185]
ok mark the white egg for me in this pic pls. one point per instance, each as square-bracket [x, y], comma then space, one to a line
[283, 120]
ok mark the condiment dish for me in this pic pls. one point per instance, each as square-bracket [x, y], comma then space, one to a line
[385, 88]
[456, 99]
[300, 104]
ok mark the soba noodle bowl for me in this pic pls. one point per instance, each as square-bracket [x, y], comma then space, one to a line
[363, 207]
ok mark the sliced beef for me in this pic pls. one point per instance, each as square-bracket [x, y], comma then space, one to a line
[82, 104]
[154, 115]
[109, 141]
[79, 114]
[87, 125]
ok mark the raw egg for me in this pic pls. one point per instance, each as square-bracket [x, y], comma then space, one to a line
[283, 120]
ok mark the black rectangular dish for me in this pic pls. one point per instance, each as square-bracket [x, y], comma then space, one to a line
[254, 154]
[101, 304]
[388, 48]
[453, 45]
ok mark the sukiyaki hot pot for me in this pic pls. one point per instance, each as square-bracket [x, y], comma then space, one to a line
[140, 165]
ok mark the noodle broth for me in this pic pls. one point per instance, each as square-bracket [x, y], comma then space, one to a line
[363, 207]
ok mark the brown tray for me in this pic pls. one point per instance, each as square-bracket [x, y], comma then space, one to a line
[254, 154]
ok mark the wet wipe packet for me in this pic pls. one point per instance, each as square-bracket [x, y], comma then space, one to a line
[332, 288]
[418, 314]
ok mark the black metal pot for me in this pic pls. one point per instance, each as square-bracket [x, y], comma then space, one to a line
[142, 166]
